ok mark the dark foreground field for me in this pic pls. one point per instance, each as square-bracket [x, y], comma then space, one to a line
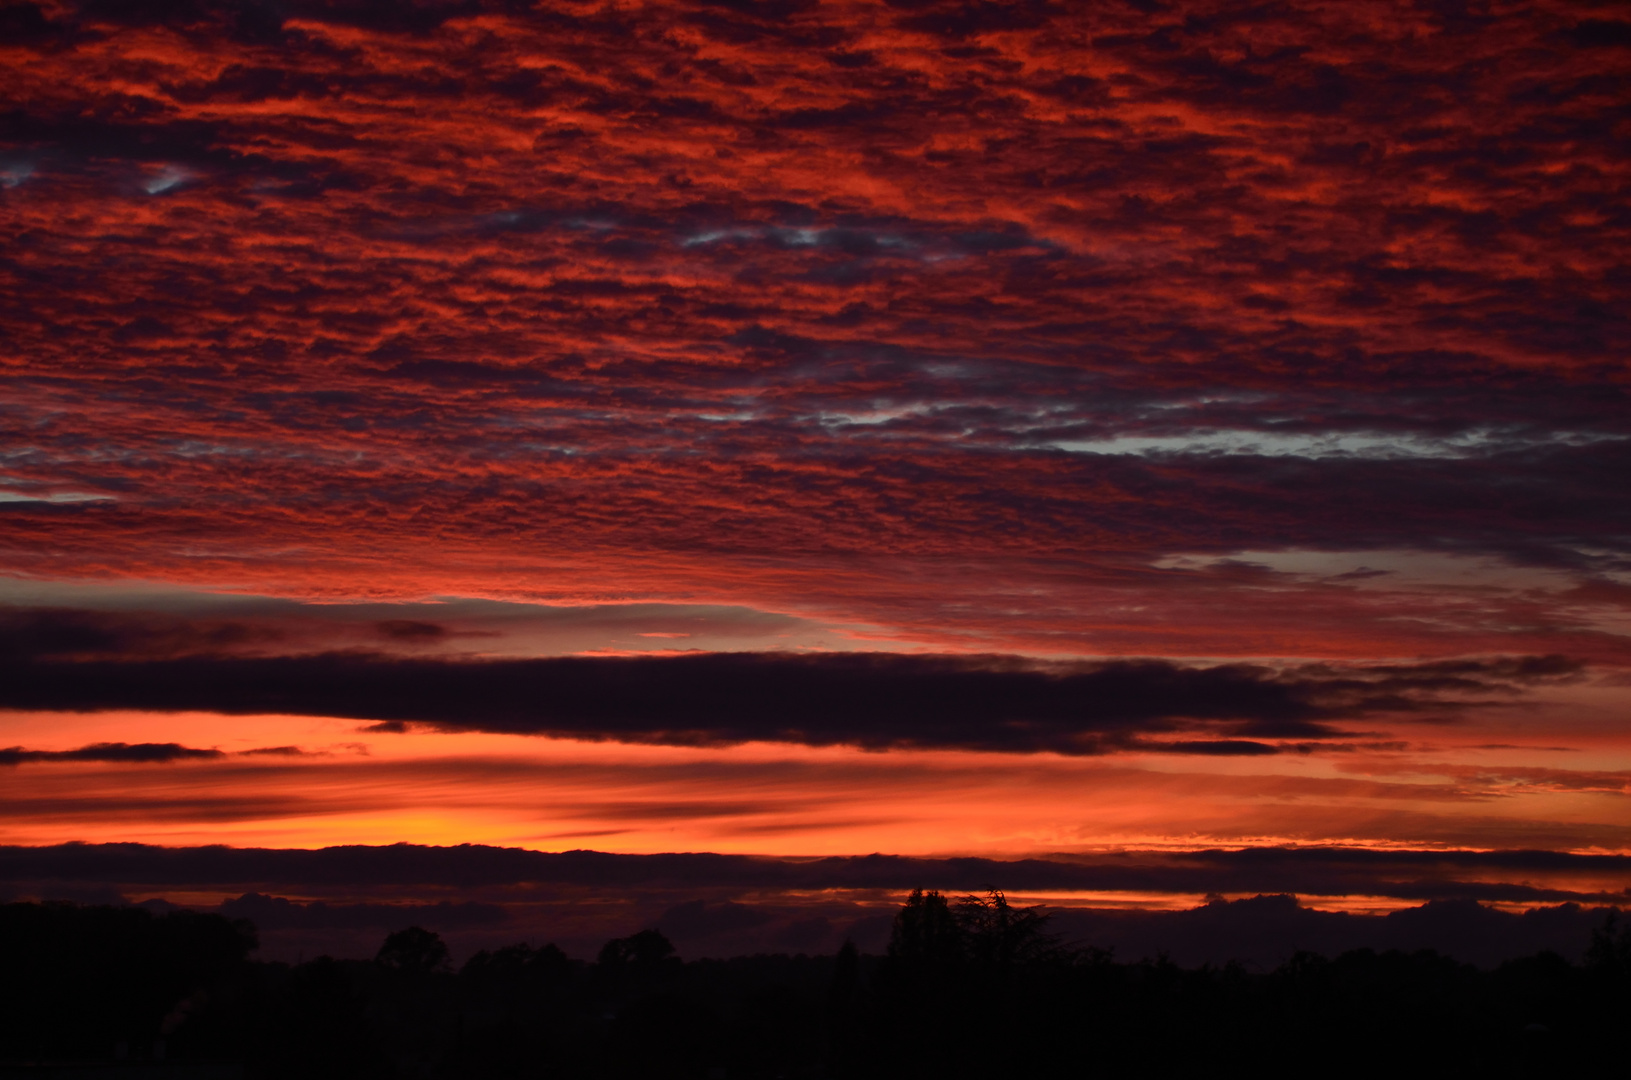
[970, 988]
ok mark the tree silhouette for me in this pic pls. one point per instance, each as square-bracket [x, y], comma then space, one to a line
[320, 1026]
[1610, 949]
[973, 986]
[999, 935]
[414, 950]
[648, 950]
[518, 964]
[843, 1005]
[76, 981]
[925, 931]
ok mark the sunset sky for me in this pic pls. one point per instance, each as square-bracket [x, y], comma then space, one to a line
[804, 428]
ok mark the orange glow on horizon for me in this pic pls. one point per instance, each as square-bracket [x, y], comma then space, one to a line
[350, 786]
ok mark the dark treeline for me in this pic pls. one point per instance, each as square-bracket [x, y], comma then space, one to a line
[971, 987]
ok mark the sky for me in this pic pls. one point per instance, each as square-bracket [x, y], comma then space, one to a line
[1000, 430]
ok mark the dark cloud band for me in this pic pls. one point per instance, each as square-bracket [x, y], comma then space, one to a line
[872, 700]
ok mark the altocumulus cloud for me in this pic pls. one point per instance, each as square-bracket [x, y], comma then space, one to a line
[806, 283]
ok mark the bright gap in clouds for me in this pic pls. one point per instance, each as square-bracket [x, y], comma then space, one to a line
[1313, 445]
[11, 496]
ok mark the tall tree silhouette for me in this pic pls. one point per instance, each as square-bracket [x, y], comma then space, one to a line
[75, 981]
[843, 1006]
[320, 1027]
[925, 931]
[648, 950]
[414, 950]
[1610, 948]
[997, 935]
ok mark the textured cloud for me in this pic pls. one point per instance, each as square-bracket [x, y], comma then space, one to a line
[870, 700]
[654, 297]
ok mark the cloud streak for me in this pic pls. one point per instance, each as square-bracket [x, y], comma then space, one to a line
[130, 753]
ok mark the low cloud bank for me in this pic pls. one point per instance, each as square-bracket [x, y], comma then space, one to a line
[1511, 876]
[343, 900]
